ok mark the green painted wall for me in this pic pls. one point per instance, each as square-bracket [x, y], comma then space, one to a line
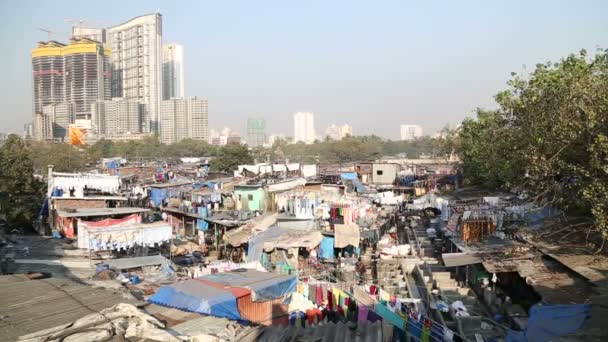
[251, 198]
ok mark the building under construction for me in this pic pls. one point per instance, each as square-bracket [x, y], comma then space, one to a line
[78, 73]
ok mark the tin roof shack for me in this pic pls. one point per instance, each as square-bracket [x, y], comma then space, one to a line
[251, 197]
[365, 172]
[29, 306]
[384, 173]
[241, 294]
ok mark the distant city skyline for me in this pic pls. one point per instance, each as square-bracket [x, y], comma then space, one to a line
[429, 63]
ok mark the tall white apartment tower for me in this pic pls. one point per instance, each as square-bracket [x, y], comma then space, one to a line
[411, 132]
[304, 127]
[184, 118]
[136, 62]
[173, 71]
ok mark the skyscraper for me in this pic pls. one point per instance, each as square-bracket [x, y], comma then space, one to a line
[173, 71]
[77, 73]
[256, 132]
[183, 118]
[60, 116]
[47, 75]
[117, 117]
[136, 64]
[338, 132]
[87, 75]
[304, 127]
[98, 34]
[411, 132]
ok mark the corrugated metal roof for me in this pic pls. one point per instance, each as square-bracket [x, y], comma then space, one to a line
[460, 259]
[88, 212]
[326, 332]
[32, 305]
[127, 263]
[222, 328]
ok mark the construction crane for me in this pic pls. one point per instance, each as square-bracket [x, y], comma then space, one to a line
[48, 32]
[75, 22]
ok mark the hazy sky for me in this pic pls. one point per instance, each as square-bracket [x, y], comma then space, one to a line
[373, 64]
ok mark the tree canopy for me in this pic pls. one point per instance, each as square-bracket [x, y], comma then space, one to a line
[20, 193]
[549, 136]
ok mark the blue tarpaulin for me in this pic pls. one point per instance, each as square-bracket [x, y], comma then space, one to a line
[194, 296]
[548, 322]
[264, 286]
[44, 209]
[112, 165]
[158, 196]
[349, 176]
[202, 225]
[326, 248]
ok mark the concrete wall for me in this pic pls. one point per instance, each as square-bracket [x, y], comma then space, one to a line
[78, 203]
[384, 174]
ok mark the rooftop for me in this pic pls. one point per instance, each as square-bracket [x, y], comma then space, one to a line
[29, 306]
[90, 212]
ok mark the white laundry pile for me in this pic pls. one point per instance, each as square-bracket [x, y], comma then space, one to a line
[227, 266]
[401, 250]
[459, 309]
[124, 237]
[299, 302]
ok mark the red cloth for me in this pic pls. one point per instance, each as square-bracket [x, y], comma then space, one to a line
[310, 316]
[319, 295]
[330, 300]
[135, 218]
[372, 289]
[340, 311]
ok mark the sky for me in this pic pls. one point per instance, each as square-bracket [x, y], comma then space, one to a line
[371, 64]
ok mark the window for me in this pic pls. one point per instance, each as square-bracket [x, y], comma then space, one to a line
[379, 172]
[250, 197]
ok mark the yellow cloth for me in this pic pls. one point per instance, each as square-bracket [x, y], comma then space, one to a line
[385, 296]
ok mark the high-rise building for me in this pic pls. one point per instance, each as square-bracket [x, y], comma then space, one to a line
[275, 137]
[98, 34]
[77, 73]
[411, 132]
[60, 116]
[183, 118]
[43, 127]
[338, 132]
[117, 117]
[304, 127]
[87, 75]
[47, 75]
[136, 63]
[256, 132]
[173, 71]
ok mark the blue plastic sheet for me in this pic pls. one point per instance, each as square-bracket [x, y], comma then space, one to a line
[202, 225]
[112, 165]
[349, 176]
[264, 286]
[550, 321]
[326, 248]
[44, 209]
[194, 296]
[158, 196]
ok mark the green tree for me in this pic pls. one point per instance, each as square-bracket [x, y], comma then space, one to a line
[64, 157]
[548, 136]
[21, 193]
[230, 156]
